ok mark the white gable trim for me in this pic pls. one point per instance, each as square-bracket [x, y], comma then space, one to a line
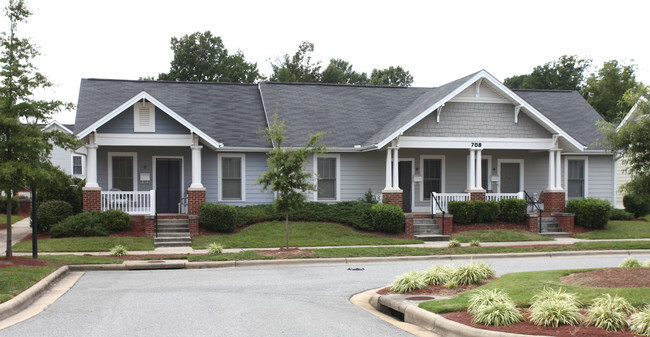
[52, 123]
[144, 95]
[631, 112]
[514, 99]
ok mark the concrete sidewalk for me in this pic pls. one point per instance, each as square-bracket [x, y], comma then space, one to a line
[19, 230]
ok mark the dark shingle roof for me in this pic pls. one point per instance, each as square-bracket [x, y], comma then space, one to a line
[229, 113]
[568, 110]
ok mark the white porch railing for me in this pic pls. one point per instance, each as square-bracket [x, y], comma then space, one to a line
[445, 198]
[130, 202]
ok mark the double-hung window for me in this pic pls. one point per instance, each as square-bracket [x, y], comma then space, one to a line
[327, 171]
[232, 177]
[431, 177]
[77, 168]
[576, 178]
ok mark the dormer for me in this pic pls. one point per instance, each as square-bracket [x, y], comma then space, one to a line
[144, 117]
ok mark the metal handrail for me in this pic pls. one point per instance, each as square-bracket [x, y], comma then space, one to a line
[433, 198]
[535, 203]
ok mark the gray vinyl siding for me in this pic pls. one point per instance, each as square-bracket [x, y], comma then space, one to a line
[61, 158]
[601, 178]
[123, 123]
[209, 177]
[255, 165]
[478, 120]
[360, 172]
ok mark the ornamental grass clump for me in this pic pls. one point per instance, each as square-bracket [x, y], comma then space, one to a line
[214, 249]
[410, 281]
[439, 274]
[475, 243]
[473, 273]
[493, 307]
[119, 250]
[631, 262]
[640, 322]
[609, 313]
[554, 308]
[453, 243]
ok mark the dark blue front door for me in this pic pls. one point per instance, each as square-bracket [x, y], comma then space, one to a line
[168, 185]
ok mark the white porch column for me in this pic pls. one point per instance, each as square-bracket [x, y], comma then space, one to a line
[551, 169]
[472, 170]
[396, 168]
[558, 169]
[389, 180]
[196, 166]
[91, 163]
[479, 174]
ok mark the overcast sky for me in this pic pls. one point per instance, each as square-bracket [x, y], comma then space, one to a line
[437, 41]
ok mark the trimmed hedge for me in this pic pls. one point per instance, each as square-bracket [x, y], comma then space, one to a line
[387, 218]
[218, 217]
[507, 210]
[92, 224]
[3, 205]
[590, 212]
[463, 211]
[636, 206]
[512, 210]
[486, 211]
[52, 212]
[619, 214]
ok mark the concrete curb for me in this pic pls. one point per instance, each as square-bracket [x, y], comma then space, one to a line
[433, 322]
[28, 296]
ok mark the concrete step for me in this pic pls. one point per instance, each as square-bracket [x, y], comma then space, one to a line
[433, 237]
[556, 234]
[173, 235]
[173, 222]
[174, 228]
[173, 239]
[173, 244]
[424, 221]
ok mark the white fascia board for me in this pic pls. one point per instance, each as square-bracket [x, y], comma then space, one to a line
[243, 149]
[52, 123]
[476, 143]
[631, 112]
[590, 153]
[132, 139]
[167, 110]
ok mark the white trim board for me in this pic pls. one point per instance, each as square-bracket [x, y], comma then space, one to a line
[130, 139]
[419, 142]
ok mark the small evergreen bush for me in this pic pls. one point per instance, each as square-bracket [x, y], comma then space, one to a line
[119, 250]
[3, 205]
[485, 211]
[512, 210]
[589, 212]
[251, 214]
[453, 243]
[115, 220]
[218, 217]
[410, 281]
[619, 214]
[52, 212]
[354, 213]
[387, 218]
[635, 205]
[640, 322]
[82, 224]
[631, 262]
[463, 211]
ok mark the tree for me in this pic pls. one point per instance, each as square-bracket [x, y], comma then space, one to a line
[567, 73]
[340, 72]
[202, 57]
[605, 89]
[297, 68]
[285, 175]
[25, 147]
[393, 76]
[632, 141]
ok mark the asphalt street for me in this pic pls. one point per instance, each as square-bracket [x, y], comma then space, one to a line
[307, 300]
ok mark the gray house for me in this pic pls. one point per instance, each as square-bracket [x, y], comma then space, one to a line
[472, 138]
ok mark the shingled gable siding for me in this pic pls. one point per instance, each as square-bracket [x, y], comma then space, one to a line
[255, 166]
[123, 123]
[478, 120]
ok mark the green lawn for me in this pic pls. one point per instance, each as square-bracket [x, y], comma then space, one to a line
[619, 230]
[86, 244]
[522, 286]
[14, 219]
[16, 279]
[301, 234]
[499, 235]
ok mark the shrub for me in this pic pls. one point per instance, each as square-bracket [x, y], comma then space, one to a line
[387, 218]
[475, 243]
[493, 307]
[485, 297]
[473, 273]
[410, 281]
[214, 248]
[248, 215]
[63, 187]
[609, 320]
[637, 206]
[439, 274]
[555, 307]
[3, 205]
[115, 220]
[311, 211]
[453, 243]
[619, 214]
[512, 210]
[82, 224]
[485, 211]
[218, 217]
[52, 212]
[640, 322]
[558, 295]
[463, 211]
[631, 262]
[354, 213]
[119, 250]
[369, 198]
[614, 303]
[589, 212]
[451, 284]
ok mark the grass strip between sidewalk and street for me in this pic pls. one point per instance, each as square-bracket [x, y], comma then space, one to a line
[619, 230]
[521, 287]
[86, 244]
[498, 235]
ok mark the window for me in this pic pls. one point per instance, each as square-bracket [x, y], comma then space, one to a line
[232, 177]
[431, 177]
[326, 178]
[576, 178]
[122, 173]
[77, 167]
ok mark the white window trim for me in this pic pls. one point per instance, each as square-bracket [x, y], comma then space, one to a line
[442, 172]
[135, 167]
[489, 159]
[83, 165]
[242, 156]
[566, 174]
[521, 172]
[153, 173]
[136, 117]
[338, 175]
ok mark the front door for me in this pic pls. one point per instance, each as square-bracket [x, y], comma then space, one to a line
[405, 183]
[168, 185]
[510, 178]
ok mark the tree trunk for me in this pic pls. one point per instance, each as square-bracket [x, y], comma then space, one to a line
[286, 227]
[9, 253]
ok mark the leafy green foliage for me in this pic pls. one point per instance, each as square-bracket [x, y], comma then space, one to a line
[92, 224]
[3, 205]
[202, 57]
[493, 308]
[512, 210]
[369, 197]
[214, 248]
[439, 274]
[472, 273]
[631, 262]
[567, 73]
[340, 72]
[218, 217]
[619, 214]
[553, 312]
[606, 87]
[391, 76]
[52, 212]
[115, 220]
[410, 281]
[463, 211]
[63, 187]
[635, 205]
[297, 68]
[589, 212]
[609, 312]
[475, 243]
[484, 297]
[559, 295]
[453, 243]
[640, 322]
[486, 211]
[119, 250]
[387, 218]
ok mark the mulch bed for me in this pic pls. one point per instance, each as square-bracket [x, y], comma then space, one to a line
[20, 261]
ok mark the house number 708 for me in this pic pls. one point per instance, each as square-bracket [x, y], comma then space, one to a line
[477, 145]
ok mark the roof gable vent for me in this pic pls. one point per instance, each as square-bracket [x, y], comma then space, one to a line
[144, 117]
